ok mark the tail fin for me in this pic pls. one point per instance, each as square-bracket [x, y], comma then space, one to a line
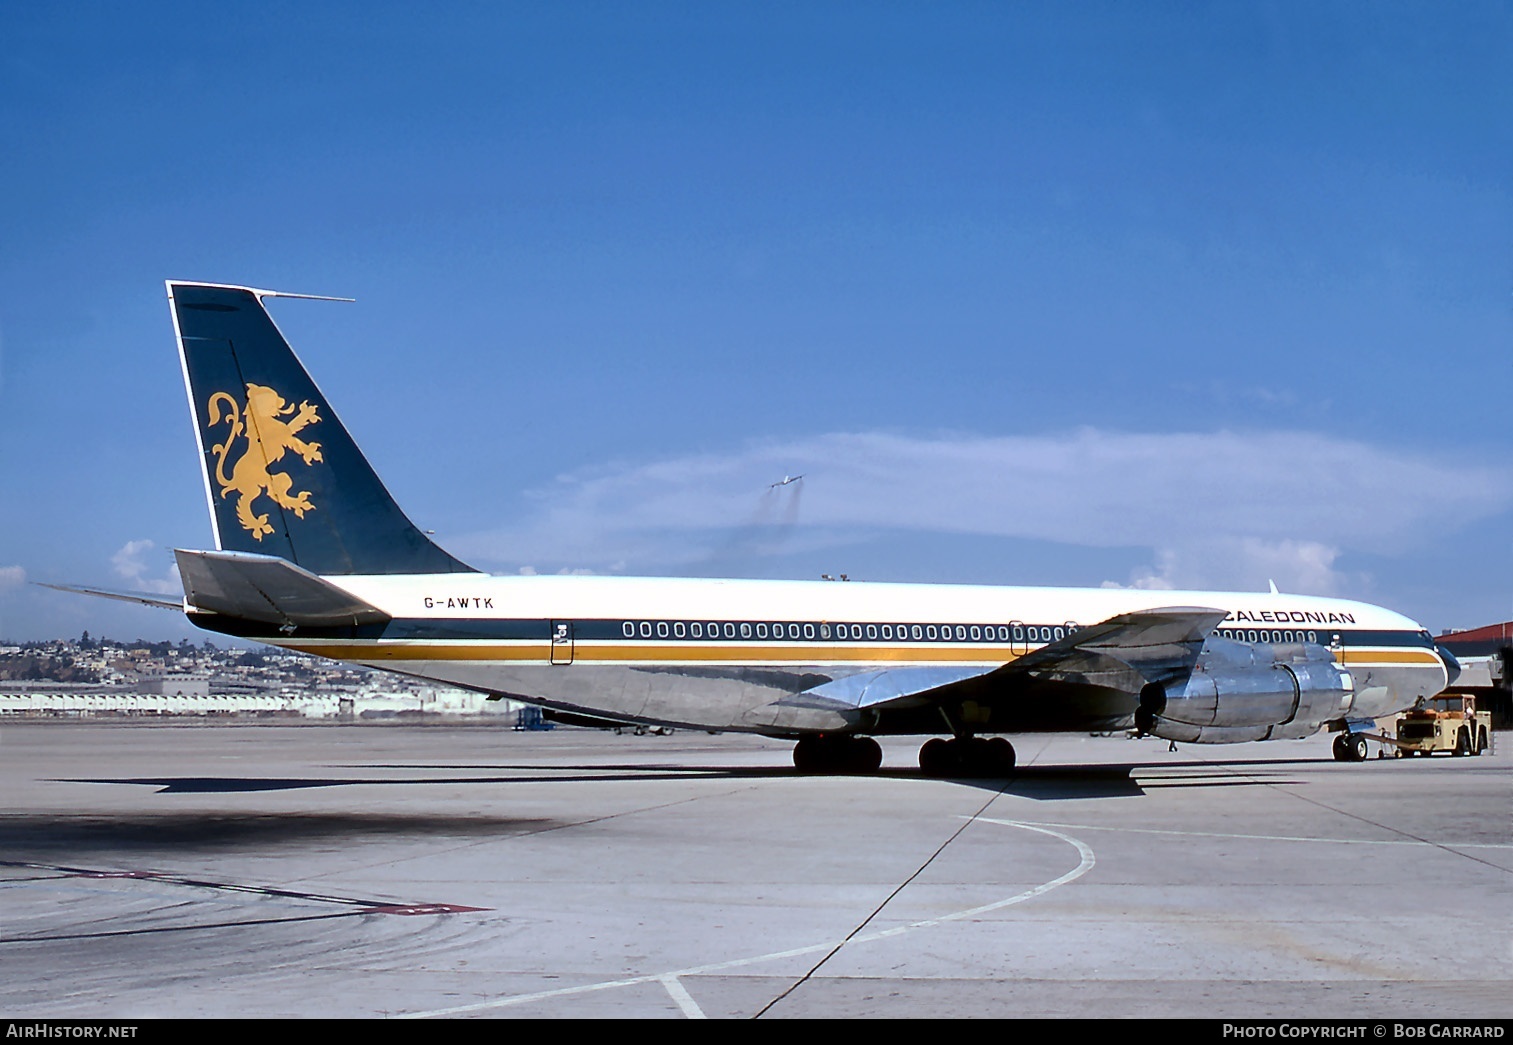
[282, 475]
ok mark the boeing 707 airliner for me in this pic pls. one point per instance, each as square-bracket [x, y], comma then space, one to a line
[313, 554]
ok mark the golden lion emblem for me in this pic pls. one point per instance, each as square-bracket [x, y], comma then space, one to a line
[268, 437]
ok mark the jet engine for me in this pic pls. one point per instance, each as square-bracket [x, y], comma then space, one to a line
[1238, 692]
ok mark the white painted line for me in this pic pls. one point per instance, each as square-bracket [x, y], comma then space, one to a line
[1253, 838]
[683, 998]
[669, 980]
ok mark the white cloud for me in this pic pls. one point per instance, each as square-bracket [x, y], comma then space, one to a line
[130, 565]
[1216, 509]
[1224, 562]
[12, 577]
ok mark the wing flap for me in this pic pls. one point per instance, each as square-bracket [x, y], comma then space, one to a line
[1148, 646]
[878, 688]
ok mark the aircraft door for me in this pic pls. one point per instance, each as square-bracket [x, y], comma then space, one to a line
[1019, 643]
[562, 642]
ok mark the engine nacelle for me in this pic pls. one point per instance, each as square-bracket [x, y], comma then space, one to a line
[1239, 692]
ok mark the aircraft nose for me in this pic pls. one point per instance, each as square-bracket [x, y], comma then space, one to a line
[1452, 666]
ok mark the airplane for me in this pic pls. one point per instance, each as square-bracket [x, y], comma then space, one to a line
[313, 554]
[784, 481]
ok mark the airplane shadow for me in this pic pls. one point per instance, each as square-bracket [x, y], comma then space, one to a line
[38, 834]
[1045, 783]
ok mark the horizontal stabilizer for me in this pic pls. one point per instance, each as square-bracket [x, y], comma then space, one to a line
[269, 589]
[141, 598]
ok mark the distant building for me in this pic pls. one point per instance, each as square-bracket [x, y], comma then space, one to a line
[1486, 656]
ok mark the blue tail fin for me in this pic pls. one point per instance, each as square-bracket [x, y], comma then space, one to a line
[283, 476]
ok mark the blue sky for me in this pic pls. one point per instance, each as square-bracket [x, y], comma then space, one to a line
[1163, 294]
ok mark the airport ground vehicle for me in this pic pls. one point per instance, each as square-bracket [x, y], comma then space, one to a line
[1446, 722]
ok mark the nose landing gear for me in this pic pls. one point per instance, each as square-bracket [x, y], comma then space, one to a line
[1350, 747]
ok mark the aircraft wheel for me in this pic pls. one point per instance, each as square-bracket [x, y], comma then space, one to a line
[1350, 747]
[936, 758]
[976, 757]
[830, 755]
[808, 756]
[821, 754]
[866, 755]
[967, 757]
[1000, 756]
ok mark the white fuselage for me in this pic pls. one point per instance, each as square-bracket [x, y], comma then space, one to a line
[721, 654]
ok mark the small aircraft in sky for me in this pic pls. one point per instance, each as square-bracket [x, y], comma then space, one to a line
[784, 481]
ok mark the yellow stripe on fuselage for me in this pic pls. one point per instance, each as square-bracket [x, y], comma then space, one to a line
[709, 653]
[1378, 657]
[618, 653]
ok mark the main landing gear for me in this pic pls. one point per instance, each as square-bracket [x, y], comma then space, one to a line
[837, 754]
[967, 757]
[834, 754]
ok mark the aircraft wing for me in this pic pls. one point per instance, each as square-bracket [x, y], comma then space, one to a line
[1122, 653]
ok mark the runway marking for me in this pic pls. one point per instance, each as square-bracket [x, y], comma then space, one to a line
[673, 977]
[683, 998]
[1255, 838]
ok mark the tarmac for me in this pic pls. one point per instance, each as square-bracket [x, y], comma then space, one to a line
[453, 871]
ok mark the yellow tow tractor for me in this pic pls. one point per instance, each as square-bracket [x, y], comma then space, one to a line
[1448, 722]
